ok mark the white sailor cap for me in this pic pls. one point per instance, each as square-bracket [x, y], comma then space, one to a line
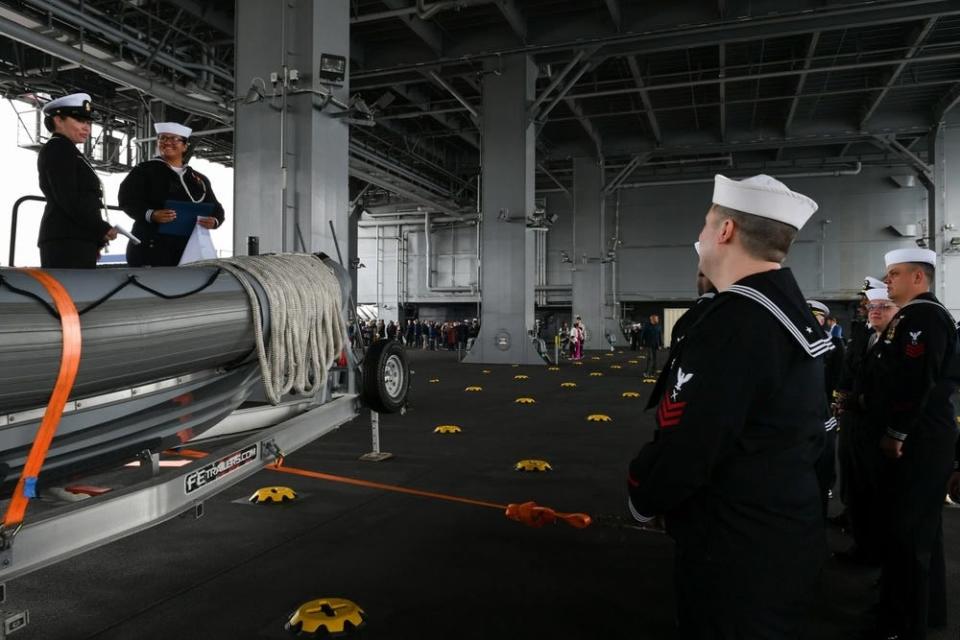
[898, 256]
[877, 294]
[75, 105]
[172, 128]
[816, 305]
[873, 283]
[764, 196]
[696, 247]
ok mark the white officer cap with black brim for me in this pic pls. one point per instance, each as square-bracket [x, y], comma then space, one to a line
[75, 105]
[765, 197]
[172, 128]
[819, 307]
[899, 256]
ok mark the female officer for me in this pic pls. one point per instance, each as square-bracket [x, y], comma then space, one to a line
[72, 230]
[147, 190]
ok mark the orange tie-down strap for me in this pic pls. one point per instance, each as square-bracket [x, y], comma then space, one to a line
[69, 364]
[529, 513]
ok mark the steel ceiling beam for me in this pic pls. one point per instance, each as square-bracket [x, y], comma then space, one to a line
[920, 36]
[426, 32]
[587, 66]
[801, 81]
[532, 110]
[645, 98]
[745, 141]
[176, 96]
[421, 101]
[626, 172]
[613, 6]
[592, 132]
[456, 95]
[641, 38]
[511, 13]
[216, 19]
[946, 103]
[723, 92]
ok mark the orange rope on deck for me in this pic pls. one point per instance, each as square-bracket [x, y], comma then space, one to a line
[528, 513]
[69, 364]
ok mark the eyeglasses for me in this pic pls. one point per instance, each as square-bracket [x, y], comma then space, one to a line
[880, 307]
[170, 139]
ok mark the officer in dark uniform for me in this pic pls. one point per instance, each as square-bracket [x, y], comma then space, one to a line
[146, 190]
[72, 230]
[856, 347]
[861, 417]
[920, 361]
[740, 429]
[833, 368]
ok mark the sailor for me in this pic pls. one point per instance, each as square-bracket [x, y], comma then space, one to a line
[860, 333]
[833, 367]
[153, 187]
[73, 229]
[740, 428]
[863, 498]
[919, 358]
[705, 293]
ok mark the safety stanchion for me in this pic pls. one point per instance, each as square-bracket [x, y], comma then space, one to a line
[375, 454]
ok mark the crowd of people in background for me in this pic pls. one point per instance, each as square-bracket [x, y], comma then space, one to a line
[427, 335]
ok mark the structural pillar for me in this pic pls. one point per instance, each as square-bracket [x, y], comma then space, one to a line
[590, 254]
[943, 214]
[291, 155]
[507, 247]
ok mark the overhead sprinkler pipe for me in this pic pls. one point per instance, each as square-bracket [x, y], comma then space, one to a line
[804, 174]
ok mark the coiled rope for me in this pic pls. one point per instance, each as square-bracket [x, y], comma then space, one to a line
[307, 330]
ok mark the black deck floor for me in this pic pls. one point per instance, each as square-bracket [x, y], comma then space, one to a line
[423, 568]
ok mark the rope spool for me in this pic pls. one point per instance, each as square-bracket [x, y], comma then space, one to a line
[307, 330]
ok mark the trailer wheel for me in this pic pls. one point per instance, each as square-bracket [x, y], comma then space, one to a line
[386, 377]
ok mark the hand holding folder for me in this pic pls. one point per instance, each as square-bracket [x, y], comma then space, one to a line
[186, 220]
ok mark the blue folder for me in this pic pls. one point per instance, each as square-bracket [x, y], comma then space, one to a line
[187, 213]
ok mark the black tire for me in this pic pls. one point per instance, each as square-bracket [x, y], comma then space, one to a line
[386, 377]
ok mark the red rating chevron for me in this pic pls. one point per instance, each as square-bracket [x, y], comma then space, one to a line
[669, 412]
[915, 350]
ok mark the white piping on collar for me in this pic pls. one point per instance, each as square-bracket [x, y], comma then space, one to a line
[813, 349]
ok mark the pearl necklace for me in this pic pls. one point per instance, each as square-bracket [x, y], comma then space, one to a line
[203, 185]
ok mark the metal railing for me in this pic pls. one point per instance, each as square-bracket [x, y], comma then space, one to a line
[15, 216]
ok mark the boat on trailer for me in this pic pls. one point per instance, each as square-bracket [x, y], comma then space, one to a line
[169, 357]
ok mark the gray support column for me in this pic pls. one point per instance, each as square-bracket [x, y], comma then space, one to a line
[943, 220]
[588, 249]
[507, 269]
[291, 157]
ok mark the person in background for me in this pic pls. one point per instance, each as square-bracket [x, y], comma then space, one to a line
[72, 230]
[652, 340]
[861, 447]
[834, 328]
[848, 420]
[833, 368]
[147, 189]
